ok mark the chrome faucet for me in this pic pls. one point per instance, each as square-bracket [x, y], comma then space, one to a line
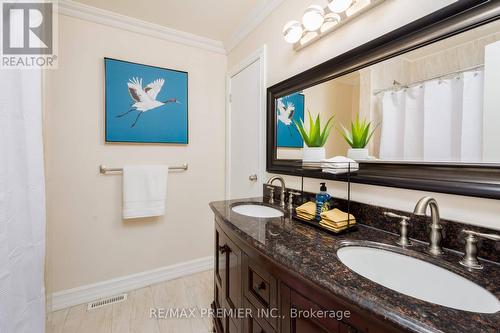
[436, 228]
[282, 193]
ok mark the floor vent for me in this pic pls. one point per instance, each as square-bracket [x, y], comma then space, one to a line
[106, 301]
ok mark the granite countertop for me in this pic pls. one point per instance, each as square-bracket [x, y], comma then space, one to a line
[311, 253]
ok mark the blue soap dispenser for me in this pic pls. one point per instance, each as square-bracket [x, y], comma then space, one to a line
[322, 201]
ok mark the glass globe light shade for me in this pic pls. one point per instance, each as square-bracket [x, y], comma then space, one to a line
[292, 32]
[313, 18]
[331, 20]
[339, 6]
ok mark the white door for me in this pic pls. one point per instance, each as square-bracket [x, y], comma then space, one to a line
[245, 144]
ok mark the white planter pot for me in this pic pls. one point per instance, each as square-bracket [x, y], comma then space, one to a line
[358, 153]
[313, 154]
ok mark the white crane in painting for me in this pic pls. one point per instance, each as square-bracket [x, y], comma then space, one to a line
[285, 113]
[145, 98]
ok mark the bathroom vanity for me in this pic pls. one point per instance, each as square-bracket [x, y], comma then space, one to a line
[287, 277]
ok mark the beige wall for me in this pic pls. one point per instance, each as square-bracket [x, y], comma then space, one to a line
[283, 62]
[88, 241]
[333, 98]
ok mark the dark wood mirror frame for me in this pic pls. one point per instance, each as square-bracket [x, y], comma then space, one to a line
[479, 180]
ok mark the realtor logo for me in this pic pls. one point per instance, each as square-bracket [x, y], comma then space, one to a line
[28, 35]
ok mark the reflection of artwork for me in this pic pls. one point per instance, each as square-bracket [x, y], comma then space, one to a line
[288, 109]
[145, 103]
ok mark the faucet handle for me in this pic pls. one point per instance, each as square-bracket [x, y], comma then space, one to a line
[402, 217]
[403, 230]
[470, 258]
[493, 237]
[291, 193]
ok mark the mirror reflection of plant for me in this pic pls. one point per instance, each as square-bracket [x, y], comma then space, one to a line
[316, 137]
[359, 136]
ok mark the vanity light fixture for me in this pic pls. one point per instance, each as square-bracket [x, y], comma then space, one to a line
[318, 21]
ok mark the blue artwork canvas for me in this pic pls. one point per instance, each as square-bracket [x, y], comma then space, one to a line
[288, 109]
[145, 104]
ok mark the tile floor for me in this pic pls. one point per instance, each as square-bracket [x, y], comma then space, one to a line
[133, 315]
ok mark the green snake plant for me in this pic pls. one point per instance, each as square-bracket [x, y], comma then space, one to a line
[316, 136]
[360, 134]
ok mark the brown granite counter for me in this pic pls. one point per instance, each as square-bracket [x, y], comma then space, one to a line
[311, 253]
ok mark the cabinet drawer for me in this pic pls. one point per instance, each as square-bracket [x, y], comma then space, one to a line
[260, 288]
[255, 324]
[292, 301]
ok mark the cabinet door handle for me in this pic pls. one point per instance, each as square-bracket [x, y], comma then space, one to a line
[260, 286]
[224, 248]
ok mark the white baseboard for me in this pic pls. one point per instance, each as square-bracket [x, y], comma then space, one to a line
[91, 292]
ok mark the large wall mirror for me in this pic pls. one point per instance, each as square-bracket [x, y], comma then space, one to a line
[424, 101]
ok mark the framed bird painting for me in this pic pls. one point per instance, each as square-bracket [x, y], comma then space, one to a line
[288, 109]
[145, 104]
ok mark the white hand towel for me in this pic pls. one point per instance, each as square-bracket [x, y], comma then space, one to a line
[339, 162]
[144, 190]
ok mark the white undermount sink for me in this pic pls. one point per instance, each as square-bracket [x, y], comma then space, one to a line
[417, 278]
[257, 211]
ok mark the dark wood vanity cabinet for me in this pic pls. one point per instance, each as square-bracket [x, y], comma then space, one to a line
[227, 282]
[262, 290]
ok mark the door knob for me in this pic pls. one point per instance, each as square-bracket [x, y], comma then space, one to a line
[252, 178]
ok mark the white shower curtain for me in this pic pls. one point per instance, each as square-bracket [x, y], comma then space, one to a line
[439, 120]
[22, 203]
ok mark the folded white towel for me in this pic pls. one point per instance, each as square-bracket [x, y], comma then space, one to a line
[339, 162]
[338, 171]
[338, 165]
[144, 190]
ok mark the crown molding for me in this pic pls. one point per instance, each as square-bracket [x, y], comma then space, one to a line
[105, 17]
[252, 21]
